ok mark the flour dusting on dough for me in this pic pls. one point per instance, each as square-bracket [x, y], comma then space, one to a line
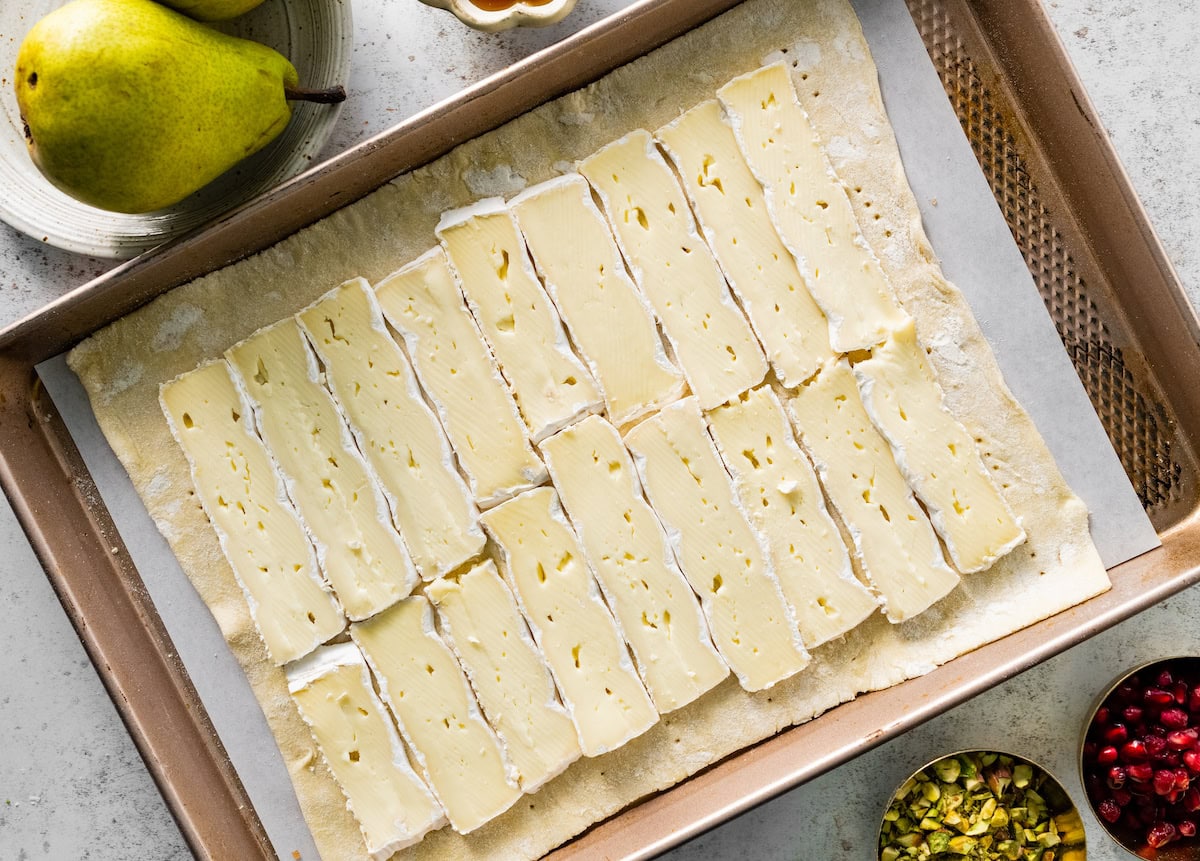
[500, 181]
[175, 328]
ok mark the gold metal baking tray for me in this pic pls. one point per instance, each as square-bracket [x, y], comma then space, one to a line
[1119, 308]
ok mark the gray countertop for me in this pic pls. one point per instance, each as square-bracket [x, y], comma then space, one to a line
[71, 782]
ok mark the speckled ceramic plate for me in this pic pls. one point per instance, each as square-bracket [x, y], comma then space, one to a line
[316, 35]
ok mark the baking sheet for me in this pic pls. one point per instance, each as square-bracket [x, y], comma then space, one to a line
[977, 253]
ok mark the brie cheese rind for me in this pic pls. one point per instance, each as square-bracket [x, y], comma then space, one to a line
[257, 525]
[674, 269]
[398, 434]
[423, 304]
[627, 547]
[492, 267]
[894, 540]
[732, 213]
[934, 452]
[778, 489]
[810, 208]
[123, 365]
[333, 691]
[609, 320]
[480, 621]
[461, 757]
[542, 561]
[339, 502]
[724, 559]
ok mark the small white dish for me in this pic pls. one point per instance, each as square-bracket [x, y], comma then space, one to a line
[477, 15]
[316, 35]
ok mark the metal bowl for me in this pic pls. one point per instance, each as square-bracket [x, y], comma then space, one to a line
[1071, 842]
[316, 35]
[1130, 840]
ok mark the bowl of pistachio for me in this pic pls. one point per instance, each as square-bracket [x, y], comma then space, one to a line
[981, 804]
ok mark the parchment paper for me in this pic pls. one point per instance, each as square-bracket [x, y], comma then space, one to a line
[967, 231]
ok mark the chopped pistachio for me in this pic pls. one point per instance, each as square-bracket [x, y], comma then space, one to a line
[961, 845]
[939, 841]
[948, 769]
[1022, 774]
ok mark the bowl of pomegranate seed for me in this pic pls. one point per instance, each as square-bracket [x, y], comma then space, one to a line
[984, 805]
[1140, 760]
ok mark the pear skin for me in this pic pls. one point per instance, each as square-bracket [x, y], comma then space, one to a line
[212, 10]
[130, 106]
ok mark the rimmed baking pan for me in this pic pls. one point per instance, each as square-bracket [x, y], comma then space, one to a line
[1118, 306]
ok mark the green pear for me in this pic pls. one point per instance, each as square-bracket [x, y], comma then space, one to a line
[130, 106]
[212, 10]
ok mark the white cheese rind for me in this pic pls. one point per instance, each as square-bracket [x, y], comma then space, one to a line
[461, 757]
[810, 208]
[654, 606]
[720, 553]
[935, 453]
[423, 304]
[339, 501]
[256, 524]
[778, 489]
[480, 620]
[491, 264]
[895, 543]
[609, 320]
[674, 269]
[399, 435]
[393, 806]
[732, 213]
[544, 564]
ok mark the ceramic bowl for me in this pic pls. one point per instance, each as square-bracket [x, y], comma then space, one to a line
[316, 35]
[475, 13]
[1115, 699]
[1069, 843]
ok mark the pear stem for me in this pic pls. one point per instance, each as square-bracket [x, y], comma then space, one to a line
[328, 96]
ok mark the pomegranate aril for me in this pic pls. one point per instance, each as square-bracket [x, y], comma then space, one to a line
[1182, 779]
[1103, 715]
[1173, 718]
[1191, 758]
[1191, 800]
[1134, 751]
[1183, 739]
[1116, 734]
[1186, 828]
[1180, 691]
[1122, 796]
[1133, 714]
[1164, 782]
[1155, 745]
[1116, 777]
[1160, 834]
[1142, 772]
[1106, 755]
[1165, 679]
[1109, 811]
[1127, 691]
[1194, 699]
[1158, 697]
